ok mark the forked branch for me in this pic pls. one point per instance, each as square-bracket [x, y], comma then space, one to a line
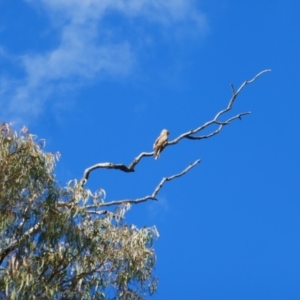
[188, 135]
[146, 198]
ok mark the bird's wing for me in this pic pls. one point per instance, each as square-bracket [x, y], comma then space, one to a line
[156, 143]
[161, 140]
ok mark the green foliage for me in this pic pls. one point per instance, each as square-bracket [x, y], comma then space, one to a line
[52, 244]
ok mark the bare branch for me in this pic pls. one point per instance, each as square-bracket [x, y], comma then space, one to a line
[146, 198]
[106, 166]
[215, 119]
[189, 135]
[222, 124]
[138, 158]
[121, 167]
[232, 88]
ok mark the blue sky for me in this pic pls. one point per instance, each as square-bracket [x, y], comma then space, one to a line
[99, 80]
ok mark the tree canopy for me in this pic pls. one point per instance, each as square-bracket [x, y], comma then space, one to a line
[51, 251]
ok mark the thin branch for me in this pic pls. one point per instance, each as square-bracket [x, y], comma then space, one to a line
[14, 244]
[222, 124]
[188, 135]
[232, 88]
[146, 198]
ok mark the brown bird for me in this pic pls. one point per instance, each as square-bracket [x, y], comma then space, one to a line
[160, 143]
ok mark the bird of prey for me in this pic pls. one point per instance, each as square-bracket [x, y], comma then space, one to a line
[160, 143]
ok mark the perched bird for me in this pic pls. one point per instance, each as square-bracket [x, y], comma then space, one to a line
[160, 143]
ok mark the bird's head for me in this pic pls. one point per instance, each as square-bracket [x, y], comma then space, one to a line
[165, 132]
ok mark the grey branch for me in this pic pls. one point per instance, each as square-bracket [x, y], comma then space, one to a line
[221, 125]
[215, 119]
[188, 135]
[153, 196]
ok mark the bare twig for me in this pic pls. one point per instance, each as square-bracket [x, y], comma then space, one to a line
[215, 119]
[146, 198]
[222, 124]
[189, 134]
[232, 88]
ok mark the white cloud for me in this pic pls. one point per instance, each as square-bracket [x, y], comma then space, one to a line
[86, 48]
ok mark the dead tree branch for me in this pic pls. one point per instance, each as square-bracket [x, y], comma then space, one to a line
[146, 198]
[215, 119]
[188, 135]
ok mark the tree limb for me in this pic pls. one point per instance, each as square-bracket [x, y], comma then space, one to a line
[188, 135]
[146, 198]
